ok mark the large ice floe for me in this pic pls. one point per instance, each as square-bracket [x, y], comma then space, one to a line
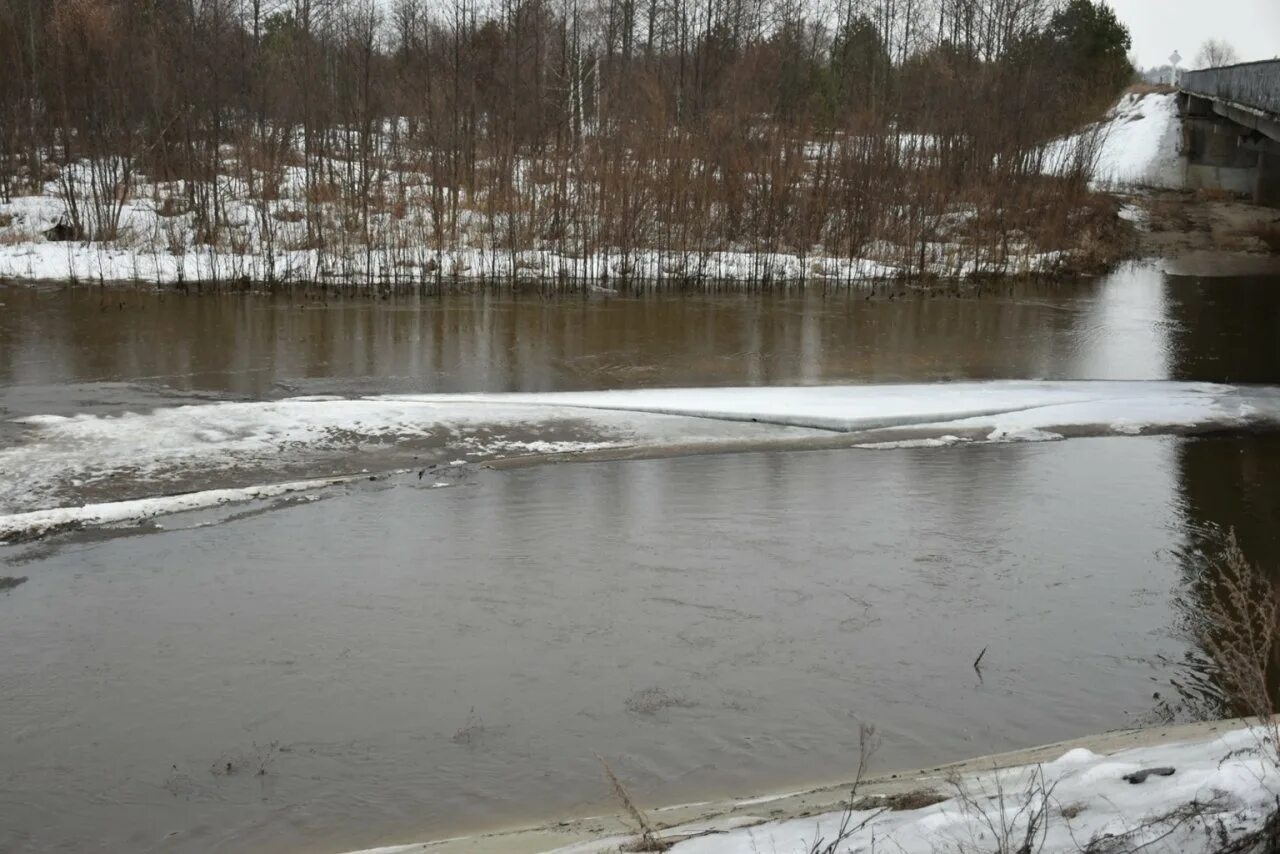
[69, 467]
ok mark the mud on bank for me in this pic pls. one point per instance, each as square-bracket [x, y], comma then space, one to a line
[1198, 233]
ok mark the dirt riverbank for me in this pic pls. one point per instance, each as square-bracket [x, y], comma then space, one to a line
[1199, 234]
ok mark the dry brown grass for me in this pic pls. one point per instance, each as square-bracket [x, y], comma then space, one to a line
[1242, 636]
[289, 215]
[1012, 822]
[323, 193]
[1269, 234]
[648, 837]
[15, 238]
[1214, 194]
[172, 206]
[1169, 212]
[1150, 89]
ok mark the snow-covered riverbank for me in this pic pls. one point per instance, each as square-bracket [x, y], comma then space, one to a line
[1194, 788]
[297, 234]
[160, 251]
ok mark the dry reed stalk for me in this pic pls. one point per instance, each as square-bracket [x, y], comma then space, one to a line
[649, 840]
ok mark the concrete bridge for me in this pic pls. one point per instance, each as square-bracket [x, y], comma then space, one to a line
[1231, 129]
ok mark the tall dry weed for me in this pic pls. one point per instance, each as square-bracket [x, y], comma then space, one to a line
[1242, 636]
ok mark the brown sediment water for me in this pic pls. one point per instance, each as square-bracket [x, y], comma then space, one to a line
[391, 661]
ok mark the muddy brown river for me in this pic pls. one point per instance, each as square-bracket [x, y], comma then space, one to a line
[401, 656]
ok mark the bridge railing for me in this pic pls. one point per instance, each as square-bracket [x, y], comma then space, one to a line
[1254, 84]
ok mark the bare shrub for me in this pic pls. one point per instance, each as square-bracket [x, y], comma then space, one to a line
[1015, 822]
[171, 206]
[1140, 838]
[1241, 634]
[868, 744]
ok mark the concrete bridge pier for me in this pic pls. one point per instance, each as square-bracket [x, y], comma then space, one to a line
[1268, 188]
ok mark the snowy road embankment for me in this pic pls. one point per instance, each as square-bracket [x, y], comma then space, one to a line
[1137, 144]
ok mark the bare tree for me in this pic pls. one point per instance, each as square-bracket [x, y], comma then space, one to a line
[1215, 53]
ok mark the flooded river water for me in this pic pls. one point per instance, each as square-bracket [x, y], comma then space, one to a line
[404, 656]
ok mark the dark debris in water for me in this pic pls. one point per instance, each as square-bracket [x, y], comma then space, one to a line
[916, 799]
[650, 701]
[8, 582]
[470, 731]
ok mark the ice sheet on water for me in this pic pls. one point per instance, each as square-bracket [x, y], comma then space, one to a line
[60, 460]
[37, 523]
[1006, 406]
[63, 461]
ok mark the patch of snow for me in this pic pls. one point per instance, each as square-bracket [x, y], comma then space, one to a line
[1232, 779]
[766, 799]
[1141, 145]
[939, 442]
[1139, 141]
[1022, 434]
[1136, 215]
[39, 522]
[156, 247]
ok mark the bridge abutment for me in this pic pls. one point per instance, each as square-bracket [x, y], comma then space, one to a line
[1268, 189]
[1221, 156]
[1231, 130]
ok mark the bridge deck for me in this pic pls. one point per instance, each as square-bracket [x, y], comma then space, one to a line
[1253, 86]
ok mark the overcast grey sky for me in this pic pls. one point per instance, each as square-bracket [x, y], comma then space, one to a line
[1161, 26]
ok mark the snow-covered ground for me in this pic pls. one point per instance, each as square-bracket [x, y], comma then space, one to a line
[99, 469]
[269, 239]
[1196, 797]
[1138, 144]
[29, 257]
[1226, 786]
[25, 255]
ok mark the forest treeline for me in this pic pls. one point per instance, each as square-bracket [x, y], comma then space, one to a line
[572, 126]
